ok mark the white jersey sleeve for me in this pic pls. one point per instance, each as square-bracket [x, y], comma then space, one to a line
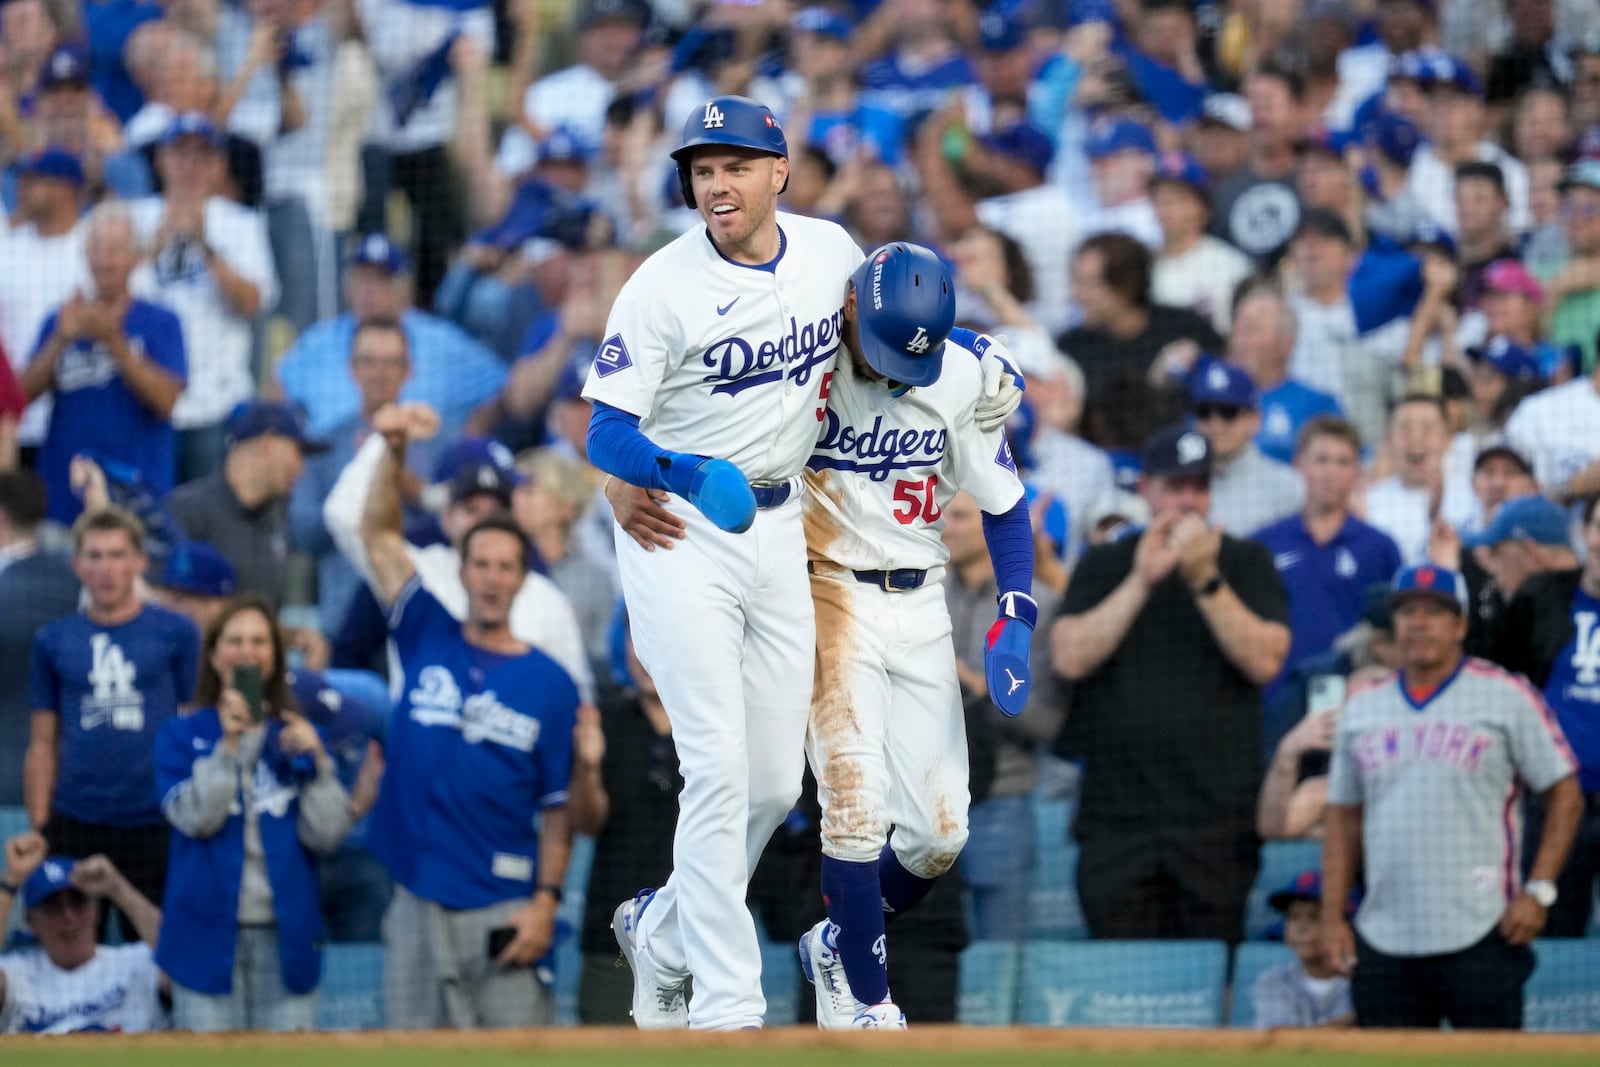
[885, 468]
[723, 359]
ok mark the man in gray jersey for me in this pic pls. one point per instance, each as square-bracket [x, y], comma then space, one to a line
[1425, 798]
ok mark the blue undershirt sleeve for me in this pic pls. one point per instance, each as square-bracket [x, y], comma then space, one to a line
[617, 447]
[1010, 540]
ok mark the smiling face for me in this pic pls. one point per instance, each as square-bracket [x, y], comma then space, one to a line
[736, 190]
[64, 923]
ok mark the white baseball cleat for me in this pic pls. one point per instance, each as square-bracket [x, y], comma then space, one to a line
[836, 1005]
[658, 1000]
[882, 1016]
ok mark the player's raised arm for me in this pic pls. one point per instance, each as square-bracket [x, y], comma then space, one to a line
[381, 518]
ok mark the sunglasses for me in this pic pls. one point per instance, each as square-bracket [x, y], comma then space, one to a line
[1225, 412]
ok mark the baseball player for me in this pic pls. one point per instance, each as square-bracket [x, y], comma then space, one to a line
[711, 386]
[887, 740]
[1424, 801]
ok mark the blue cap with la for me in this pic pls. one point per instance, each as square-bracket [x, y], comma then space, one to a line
[999, 33]
[52, 876]
[376, 250]
[1509, 358]
[1182, 168]
[1023, 142]
[1429, 581]
[1431, 235]
[1117, 135]
[1216, 382]
[823, 21]
[194, 124]
[1525, 518]
[196, 568]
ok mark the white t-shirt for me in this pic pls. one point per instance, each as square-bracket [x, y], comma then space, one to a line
[1202, 279]
[1359, 371]
[577, 97]
[399, 36]
[215, 338]
[1433, 183]
[117, 991]
[1137, 220]
[37, 275]
[1041, 221]
[1558, 430]
[1402, 513]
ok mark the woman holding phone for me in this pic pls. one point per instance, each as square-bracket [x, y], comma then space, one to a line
[253, 798]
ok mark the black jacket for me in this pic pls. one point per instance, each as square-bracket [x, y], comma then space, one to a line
[1537, 625]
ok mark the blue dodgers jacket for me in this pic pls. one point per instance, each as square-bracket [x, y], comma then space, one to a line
[301, 810]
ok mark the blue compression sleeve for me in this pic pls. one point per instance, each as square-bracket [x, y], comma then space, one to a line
[617, 447]
[1010, 541]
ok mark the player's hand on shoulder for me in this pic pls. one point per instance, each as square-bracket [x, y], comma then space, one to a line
[643, 515]
[1003, 384]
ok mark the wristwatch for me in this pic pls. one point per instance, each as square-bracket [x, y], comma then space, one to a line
[553, 890]
[1543, 891]
[1211, 586]
[10, 887]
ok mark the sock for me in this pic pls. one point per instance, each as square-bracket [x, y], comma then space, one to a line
[901, 890]
[850, 890]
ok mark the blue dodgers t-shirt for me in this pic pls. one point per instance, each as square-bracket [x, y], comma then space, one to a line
[890, 85]
[479, 743]
[1285, 409]
[112, 687]
[1573, 689]
[96, 412]
[1327, 584]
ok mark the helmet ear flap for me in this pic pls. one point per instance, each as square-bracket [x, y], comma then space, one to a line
[686, 184]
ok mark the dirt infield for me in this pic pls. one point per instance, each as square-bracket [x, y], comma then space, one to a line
[802, 1047]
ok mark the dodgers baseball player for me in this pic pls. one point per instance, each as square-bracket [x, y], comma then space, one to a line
[887, 739]
[711, 386]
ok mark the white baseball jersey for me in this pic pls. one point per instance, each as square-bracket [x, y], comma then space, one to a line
[691, 347]
[1440, 785]
[885, 467]
[118, 990]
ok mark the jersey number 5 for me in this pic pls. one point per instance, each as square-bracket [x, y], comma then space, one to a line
[917, 499]
[822, 395]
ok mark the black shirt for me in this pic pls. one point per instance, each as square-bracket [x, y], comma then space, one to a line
[634, 849]
[1168, 729]
[1537, 625]
[1121, 409]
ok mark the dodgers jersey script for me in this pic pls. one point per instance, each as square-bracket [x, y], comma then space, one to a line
[1440, 785]
[884, 467]
[690, 347]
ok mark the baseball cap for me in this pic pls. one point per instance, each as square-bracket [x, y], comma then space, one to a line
[1217, 382]
[999, 33]
[1116, 135]
[1177, 452]
[1394, 136]
[67, 67]
[1431, 235]
[1307, 885]
[1509, 358]
[1023, 142]
[565, 145]
[52, 876]
[476, 465]
[1185, 169]
[1452, 72]
[376, 250]
[823, 21]
[1227, 109]
[1429, 580]
[254, 418]
[1502, 450]
[1584, 173]
[55, 163]
[194, 567]
[193, 124]
[634, 11]
[1323, 223]
[1527, 518]
[1510, 276]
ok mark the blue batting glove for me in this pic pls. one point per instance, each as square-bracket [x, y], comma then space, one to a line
[1005, 658]
[715, 486]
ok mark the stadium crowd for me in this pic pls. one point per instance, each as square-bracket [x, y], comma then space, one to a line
[1306, 293]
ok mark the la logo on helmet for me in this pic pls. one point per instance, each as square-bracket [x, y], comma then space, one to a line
[918, 343]
[712, 119]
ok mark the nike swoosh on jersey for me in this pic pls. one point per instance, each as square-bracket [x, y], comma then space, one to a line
[725, 308]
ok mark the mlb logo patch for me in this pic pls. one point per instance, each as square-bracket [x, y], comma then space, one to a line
[612, 356]
[1004, 458]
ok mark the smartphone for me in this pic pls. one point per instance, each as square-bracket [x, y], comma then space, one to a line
[499, 938]
[1325, 693]
[247, 680]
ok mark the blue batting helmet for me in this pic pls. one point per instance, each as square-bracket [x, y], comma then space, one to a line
[736, 121]
[905, 307]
